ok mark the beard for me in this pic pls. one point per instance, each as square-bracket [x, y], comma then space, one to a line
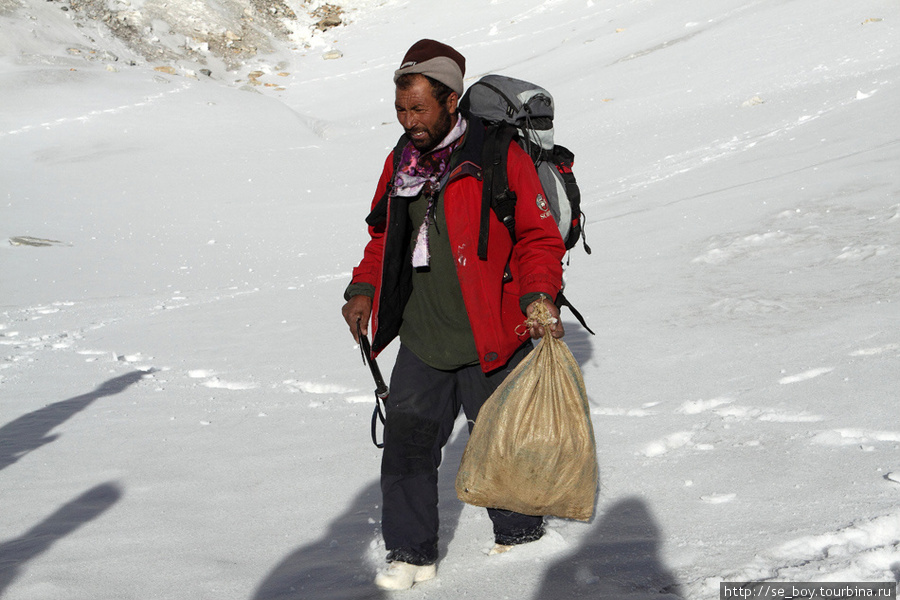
[433, 134]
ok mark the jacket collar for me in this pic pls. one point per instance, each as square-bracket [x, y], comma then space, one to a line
[469, 157]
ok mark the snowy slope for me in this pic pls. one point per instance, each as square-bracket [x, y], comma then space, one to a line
[183, 414]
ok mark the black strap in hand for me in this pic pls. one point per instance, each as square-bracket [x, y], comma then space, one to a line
[381, 388]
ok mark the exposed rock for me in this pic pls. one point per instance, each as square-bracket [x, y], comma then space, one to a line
[165, 31]
[329, 16]
[27, 240]
[754, 101]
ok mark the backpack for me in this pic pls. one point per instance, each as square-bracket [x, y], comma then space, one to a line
[513, 109]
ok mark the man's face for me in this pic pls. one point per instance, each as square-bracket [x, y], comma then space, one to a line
[423, 118]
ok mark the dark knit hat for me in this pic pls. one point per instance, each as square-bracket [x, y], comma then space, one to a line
[436, 60]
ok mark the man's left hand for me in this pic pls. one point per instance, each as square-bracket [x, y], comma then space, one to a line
[556, 328]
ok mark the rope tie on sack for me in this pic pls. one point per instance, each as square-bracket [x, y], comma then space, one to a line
[539, 316]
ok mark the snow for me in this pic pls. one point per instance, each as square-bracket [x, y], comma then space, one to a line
[183, 413]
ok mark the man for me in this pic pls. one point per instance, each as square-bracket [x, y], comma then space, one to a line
[456, 315]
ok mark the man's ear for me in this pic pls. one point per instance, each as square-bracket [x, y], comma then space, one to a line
[452, 102]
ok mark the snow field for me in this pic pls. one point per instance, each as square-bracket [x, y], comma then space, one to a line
[182, 412]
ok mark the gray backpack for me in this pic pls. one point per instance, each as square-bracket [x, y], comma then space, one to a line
[513, 109]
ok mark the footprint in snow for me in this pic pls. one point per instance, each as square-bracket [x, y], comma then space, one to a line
[812, 373]
[218, 384]
[671, 442]
[201, 373]
[623, 412]
[748, 413]
[95, 355]
[863, 439]
[694, 407]
[312, 387]
[324, 391]
[367, 399]
[862, 252]
[876, 351]
[718, 498]
[726, 249]
[212, 381]
[643, 411]
[333, 277]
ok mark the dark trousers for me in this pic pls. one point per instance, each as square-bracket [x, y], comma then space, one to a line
[420, 412]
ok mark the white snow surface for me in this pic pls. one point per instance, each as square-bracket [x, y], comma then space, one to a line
[182, 408]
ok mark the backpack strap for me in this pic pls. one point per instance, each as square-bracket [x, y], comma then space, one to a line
[563, 159]
[496, 194]
[561, 301]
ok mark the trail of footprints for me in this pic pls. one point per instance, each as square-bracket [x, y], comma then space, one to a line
[729, 410]
[22, 341]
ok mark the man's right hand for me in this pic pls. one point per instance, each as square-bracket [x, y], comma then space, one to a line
[358, 310]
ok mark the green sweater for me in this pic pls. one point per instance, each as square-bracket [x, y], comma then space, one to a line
[435, 322]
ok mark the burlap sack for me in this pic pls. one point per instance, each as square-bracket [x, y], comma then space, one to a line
[532, 449]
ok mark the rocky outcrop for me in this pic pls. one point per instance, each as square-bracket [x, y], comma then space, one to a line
[200, 31]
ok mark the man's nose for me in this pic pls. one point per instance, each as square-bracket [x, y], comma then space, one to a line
[408, 120]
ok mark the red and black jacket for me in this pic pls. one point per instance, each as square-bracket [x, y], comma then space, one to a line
[492, 300]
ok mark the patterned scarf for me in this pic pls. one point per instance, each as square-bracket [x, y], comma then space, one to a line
[424, 174]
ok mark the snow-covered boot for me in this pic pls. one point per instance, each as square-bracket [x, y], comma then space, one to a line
[401, 575]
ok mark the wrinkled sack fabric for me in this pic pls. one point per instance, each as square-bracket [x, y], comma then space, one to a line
[532, 449]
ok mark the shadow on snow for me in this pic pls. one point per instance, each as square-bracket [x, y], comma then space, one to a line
[37, 540]
[338, 565]
[619, 559]
[30, 432]
[335, 566]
